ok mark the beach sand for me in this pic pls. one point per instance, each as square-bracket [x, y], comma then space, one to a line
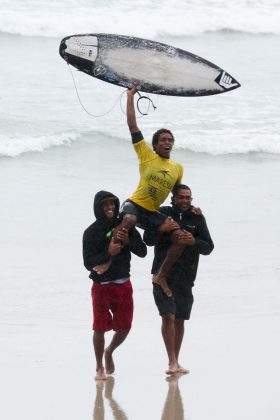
[232, 340]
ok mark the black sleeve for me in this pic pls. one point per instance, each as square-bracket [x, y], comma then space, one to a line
[136, 137]
[204, 244]
[136, 244]
[91, 255]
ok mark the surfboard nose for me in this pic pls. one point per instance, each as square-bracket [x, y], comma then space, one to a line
[226, 81]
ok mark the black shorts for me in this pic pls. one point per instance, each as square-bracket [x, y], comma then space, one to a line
[179, 304]
[145, 219]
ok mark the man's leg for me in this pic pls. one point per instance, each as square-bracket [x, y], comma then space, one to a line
[122, 319]
[173, 254]
[102, 321]
[117, 340]
[168, 335]
[179, 335]
[98, 344]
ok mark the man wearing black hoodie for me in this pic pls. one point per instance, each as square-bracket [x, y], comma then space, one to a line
[195, 238]
[111, 291]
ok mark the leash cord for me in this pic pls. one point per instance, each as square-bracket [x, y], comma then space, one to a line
[82, 105]
[150, 102]
[115, 103]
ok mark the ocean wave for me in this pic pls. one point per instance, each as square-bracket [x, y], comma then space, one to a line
[156, 20]
[17, 145]
[240, 144]
[202, 142]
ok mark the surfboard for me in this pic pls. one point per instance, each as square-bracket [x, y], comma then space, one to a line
[155, 67]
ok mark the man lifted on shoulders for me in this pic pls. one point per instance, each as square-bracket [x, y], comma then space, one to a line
[158, 175]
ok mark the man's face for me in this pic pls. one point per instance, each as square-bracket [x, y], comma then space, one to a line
[183, 200]
[164, 145]
[109, 208]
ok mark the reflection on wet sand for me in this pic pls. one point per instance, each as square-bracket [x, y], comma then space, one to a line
[99, 410]
[173, 408]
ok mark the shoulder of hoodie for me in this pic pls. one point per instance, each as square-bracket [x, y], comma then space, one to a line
[98, 226]
[95, 227]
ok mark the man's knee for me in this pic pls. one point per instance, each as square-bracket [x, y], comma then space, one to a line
[168, 318]
[122, 334]
[175, 236]
[129, 221]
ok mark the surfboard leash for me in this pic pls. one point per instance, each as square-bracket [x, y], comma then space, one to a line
[150, 102]
[82, 105]
[115, 103]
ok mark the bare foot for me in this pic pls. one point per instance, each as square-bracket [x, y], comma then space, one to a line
[109, 362]
[172, 369]
[157, 279]
[100, 375]
[101, 268]
[181, 369]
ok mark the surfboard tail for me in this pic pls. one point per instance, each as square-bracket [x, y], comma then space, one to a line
[62, 48]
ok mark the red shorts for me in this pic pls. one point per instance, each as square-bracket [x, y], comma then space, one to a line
[112, 306]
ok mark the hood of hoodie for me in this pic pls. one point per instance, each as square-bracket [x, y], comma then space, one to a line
[97, 205]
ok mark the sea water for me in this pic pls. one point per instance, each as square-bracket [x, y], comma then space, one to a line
[39, 104]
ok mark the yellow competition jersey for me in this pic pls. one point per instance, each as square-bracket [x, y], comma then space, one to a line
[157, 177]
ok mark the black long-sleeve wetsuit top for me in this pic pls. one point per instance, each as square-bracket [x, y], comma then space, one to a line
[185, 268]
[96, 240]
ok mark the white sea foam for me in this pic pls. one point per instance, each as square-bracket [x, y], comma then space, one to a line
[223, 143]
[15, 146]
[231, 143]
[142, 18]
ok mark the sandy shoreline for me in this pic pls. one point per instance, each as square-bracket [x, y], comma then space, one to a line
[232, 342]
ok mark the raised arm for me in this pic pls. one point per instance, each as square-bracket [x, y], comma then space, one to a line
[131, 117]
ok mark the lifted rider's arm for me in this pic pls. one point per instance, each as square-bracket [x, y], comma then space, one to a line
[131, 117]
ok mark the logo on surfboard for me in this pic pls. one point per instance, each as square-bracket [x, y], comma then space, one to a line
[226, 81]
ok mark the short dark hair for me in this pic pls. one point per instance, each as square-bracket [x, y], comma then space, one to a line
[176, 190]
[158, 133]
[178, 187]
